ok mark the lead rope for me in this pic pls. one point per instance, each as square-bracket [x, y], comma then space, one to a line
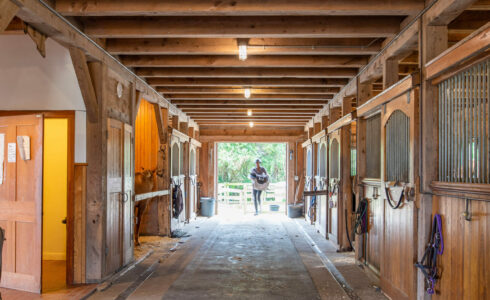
[428, 265]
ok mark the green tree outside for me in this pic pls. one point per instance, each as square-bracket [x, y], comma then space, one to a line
[235, 160]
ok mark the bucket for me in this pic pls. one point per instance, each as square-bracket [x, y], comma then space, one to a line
[274, 207]
[207, 206]
[295, 211]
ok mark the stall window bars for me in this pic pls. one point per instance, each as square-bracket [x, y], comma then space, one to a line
[373, 147]
[398, 147]
[309, 163]
[464, 126]
[322, 158]
[334, 159]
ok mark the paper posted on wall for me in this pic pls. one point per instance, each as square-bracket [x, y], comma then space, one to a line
[24, 143]
[2, 155]
[12, 153]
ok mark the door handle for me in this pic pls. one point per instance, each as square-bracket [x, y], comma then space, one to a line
[63, 221]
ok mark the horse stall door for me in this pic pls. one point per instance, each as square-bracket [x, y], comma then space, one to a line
[115, 197]
[308, 181]
[321, 223]
[21, 201]
[193, 184]
[128, 196]
[333, 186]
[399, 164]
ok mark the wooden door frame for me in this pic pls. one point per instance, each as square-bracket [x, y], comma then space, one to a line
[70, 116]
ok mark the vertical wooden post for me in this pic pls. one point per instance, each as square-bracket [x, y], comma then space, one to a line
[163, 164]
[311, 132]
[390, 72]
[433, 40]
[317, 127]
[364, 92]
[184, 127]
[335, 114]
[290, 161]
[300, 169]
[324, 122]
[191, 132]
[175, 122]
[345, 205]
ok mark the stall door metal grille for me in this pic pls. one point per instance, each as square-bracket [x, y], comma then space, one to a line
[373, 147]
[397, 147]
[334, 159]
[464, 126]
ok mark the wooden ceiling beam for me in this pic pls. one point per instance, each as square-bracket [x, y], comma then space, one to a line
[287, 123]
[254, 118]
[238, 8]
[248, 72]
[239, 90]
[256, 46]
[252, 97]
[242, 114]
[243, 27]
[219, 107]
[248, 102]
[253, 82]
[244, 111]
[259, 61]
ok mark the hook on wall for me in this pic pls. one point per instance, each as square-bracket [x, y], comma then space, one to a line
[467, 213]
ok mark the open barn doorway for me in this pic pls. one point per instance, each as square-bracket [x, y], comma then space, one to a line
[235, 188]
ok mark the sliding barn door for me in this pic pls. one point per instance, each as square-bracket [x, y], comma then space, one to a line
[21, 202]
[333, 186]
[119, 244]
[128, 203]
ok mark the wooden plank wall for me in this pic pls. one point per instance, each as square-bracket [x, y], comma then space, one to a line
[79, 221]
[465, 263]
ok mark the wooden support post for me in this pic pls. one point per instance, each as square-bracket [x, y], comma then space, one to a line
[325, 122]
[364, 92]
[335, 114]
[184, 127]
[345, 205]
[390, 72]
[361, 174]
[163, 163]
[187, 182]
[300, 171]
[191, 132]
[8, 10]
[291, 161]
[162, 129]
[311, 132]
[317, 127]
[85, 82]
[175, 122]
[347, 105]
[433, 40]
[196, 134]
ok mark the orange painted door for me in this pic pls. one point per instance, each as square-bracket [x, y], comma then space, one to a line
[115, 196]
[21, 203]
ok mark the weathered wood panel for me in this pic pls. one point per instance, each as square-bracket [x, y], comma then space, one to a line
[465, 263]
[79, 221]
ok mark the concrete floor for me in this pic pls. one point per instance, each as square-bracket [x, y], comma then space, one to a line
[246, 257]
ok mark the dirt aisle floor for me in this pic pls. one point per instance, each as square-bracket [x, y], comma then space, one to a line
[242, 257]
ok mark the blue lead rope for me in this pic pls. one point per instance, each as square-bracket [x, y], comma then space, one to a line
[428, 265]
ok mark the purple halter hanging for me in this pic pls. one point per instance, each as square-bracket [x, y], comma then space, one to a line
[428, 265]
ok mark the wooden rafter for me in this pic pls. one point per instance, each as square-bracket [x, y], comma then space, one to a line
[227, 8]
[260, 61]
[8, 10]
[85, 82]
[253, 97]
[224, 82]
[255, 91]
[248, 72]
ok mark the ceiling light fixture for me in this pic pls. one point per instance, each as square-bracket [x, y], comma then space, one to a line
[242, 49]
[247, 93]
[251, 124]
[249, 112]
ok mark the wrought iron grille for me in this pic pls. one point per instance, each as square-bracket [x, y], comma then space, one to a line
[334, 159]
[373, 147]
[464, 126]
[398, 147]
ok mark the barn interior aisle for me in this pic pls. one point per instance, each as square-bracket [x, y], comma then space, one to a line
[331, 149]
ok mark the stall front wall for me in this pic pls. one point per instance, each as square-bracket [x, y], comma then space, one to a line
[321, 184]
[334, 197]
[398, 279]
[178, 178]
[462, 192]
[309, 184]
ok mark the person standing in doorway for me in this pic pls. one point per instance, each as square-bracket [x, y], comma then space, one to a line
[260, 181]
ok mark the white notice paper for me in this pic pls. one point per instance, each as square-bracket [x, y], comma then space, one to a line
[24, 143]
[11, 156]
[2, 155]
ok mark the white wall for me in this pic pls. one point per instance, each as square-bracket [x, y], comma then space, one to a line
[30, 82]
